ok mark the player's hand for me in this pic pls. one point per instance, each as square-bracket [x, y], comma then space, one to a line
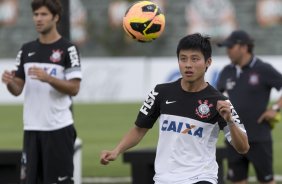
[38, 74]
[224, 109]
[268, 115]
[107, 156]
[7, 77]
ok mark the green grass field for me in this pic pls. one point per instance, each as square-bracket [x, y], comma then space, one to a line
[101, 126]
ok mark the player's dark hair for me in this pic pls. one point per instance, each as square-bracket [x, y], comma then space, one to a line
[195, 42]
[54, 6]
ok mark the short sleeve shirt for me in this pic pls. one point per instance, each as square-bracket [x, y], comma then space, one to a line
[249, 90]
[45, 108]
[189, 125]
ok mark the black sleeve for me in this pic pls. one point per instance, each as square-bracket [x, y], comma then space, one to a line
[20, 64]
[72, 58]
[273, 77]
[221, 123]
[150, 110]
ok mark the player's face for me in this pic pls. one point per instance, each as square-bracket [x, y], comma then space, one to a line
[44, 20]
[192, 65]
[235, 53]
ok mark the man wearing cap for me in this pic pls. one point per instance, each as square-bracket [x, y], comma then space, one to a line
[248, 82]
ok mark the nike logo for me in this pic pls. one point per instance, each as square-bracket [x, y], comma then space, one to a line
[169, 102]
[62, 178]
[30, 54]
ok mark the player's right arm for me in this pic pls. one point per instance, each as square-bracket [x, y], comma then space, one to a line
[14, 84]
[131, 139]
[239, 138]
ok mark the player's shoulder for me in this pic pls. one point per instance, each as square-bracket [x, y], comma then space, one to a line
[66, 42]
[167, 86]
[212, 92]
[262, 64]
[30, 44]
[264, 67]
[68, 46]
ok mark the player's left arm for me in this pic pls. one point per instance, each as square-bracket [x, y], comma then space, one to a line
[70, 87]
[239, 139]
[273, 80]
[271, 112]
[131, 139]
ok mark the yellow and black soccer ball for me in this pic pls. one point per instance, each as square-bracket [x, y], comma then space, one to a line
[144, 21]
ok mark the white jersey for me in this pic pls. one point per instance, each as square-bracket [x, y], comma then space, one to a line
[189, 125]
[45, 108]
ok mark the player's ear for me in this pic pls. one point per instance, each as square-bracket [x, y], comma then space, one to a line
[56, 18]
[208, 63]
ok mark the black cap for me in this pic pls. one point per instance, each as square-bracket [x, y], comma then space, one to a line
[236, 37]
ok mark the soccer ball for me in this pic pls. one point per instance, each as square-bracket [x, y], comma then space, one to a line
[144, 21]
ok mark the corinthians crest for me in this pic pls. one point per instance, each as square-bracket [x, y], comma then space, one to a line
[56, 56]
[203, 110]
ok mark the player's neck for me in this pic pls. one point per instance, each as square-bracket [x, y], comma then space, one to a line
[193, 86]
[50, 37]
[245, 60]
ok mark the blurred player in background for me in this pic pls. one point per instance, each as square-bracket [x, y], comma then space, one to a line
[78, 22]
[191, 113]
[49, 69]
[248, 81]
[8, 12]
[214, 17]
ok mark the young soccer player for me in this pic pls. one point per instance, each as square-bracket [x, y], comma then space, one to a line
[191, 113]
[49, 69]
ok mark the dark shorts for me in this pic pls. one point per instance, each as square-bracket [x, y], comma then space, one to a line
[260, 155]
[48, 156]
[203, 182]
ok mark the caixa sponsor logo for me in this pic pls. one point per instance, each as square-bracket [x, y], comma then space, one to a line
[180, 127]
[149, 102]
[50, 71]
